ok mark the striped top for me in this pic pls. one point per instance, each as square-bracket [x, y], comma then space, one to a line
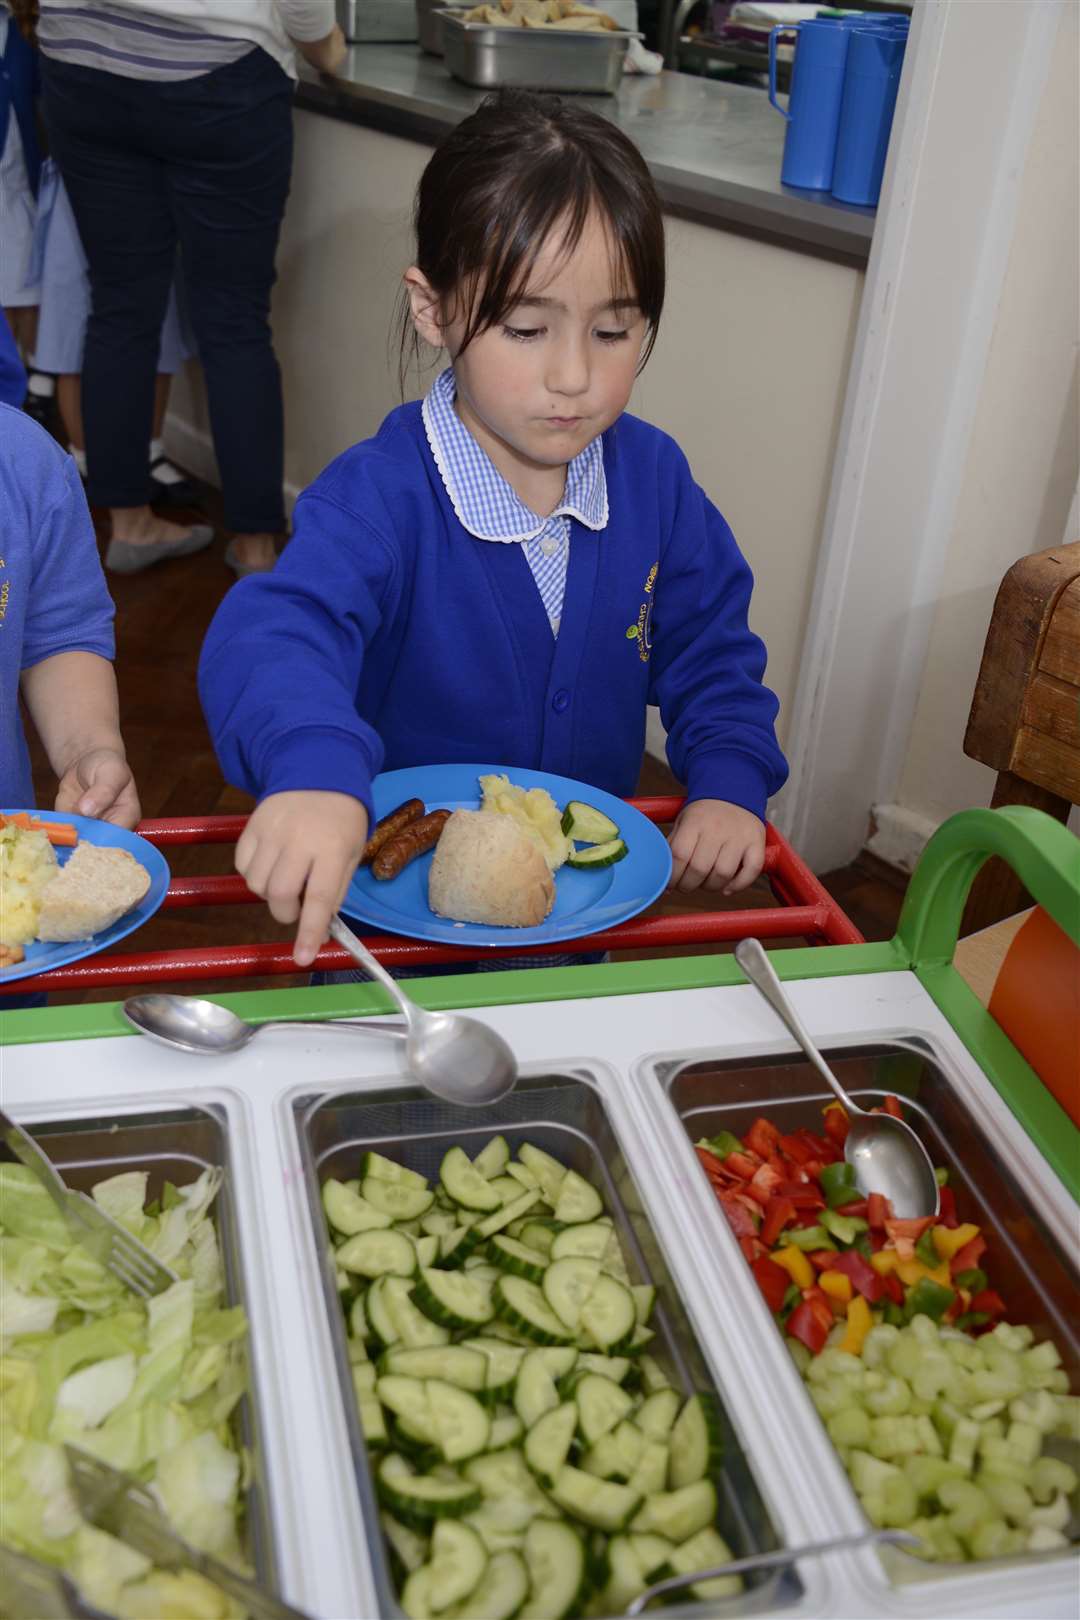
[487, 506]
[166, 41]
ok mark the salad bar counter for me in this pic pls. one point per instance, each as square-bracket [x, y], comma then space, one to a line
[626, 1326]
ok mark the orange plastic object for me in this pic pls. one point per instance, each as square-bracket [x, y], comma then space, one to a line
[1036, 1000]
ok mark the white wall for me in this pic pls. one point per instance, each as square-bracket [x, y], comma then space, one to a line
[748, 373]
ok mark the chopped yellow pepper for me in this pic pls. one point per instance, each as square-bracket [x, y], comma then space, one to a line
[837, 1284]
[795, 1264]
[912, 1271]
[949, 1241]
[885, 1261]
[859, 1323]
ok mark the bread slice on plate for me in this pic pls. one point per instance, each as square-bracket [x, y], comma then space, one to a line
[486, 870]
[91, 891]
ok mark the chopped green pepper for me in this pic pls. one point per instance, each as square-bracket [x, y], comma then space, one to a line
[895, 1315]
[838, 1184]
[926, 1252]
[928, 1298]
[974, 1280]
[862, 1245]
[971, 1319]
[806, 1237]
[941, 1176]
[722, 1144]
[845, 1228]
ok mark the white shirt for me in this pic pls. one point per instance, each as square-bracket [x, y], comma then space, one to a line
[158, 39]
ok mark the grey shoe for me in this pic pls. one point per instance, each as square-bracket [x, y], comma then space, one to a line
[124, 558]
[242, 569]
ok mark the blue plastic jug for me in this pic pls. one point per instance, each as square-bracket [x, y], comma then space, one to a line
[813, 110]
[872, 78]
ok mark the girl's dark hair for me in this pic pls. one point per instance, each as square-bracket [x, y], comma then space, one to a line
[494, 189]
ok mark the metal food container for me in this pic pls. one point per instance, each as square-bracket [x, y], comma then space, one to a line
[564, 1114]
[587, 61]
[377, 21]
[177, 1145]
[1027, 1262]
[429, 24]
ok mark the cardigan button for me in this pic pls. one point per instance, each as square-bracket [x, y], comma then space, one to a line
[561, 701]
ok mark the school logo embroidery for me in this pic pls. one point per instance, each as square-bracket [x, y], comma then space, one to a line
[641, 632]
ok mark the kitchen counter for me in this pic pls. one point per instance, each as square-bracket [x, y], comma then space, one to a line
[714, 149]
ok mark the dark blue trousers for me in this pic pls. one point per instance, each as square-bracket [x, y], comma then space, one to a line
[202, 165]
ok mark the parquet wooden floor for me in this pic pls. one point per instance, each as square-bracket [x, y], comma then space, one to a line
[162, 616]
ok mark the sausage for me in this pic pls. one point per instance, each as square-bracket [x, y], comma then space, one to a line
[390, 826]
[406, 845]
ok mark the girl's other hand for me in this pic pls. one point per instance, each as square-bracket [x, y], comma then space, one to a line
[100, 784]
[325, 55]
[715, 846]
[298, 852]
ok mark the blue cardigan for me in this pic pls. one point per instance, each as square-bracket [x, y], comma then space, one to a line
[19, 87]
[387, 636]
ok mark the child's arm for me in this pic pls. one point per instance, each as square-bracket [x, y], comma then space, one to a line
[298, 852]
[72, 701]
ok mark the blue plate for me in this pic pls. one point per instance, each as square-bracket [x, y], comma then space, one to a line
[585, 901]
[43, 958]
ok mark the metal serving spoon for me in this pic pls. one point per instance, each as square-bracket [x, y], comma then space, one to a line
[885, 1154]
[458, 1059]
[211, 1030]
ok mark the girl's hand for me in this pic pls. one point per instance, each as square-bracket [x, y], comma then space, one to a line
[298, 852]
[100, 784]
[715, 846]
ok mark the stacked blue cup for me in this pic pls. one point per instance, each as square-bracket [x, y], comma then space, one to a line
[844, 83]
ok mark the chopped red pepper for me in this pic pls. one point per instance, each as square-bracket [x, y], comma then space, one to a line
[803, 1324]
[861, 1272]
[740, 1220]
[905, 1234]
[968, 1257]
[947, 1208]
[822, 1259]
[858, 1208]
[819, 1303]
[892, 1106]
[772, 1279]
[837, 1124]
[762, 1138]
[990, 1301]
[778, 1212]
[796, 1149]
[764, 1183]
[741, 1165]
[752, 1248]
[894, 1288]
[709, 1160]
[801, 1193]
[878, 1211]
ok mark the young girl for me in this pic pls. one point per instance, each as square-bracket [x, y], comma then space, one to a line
[513, 570]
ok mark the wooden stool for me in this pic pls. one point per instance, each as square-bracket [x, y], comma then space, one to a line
[1025, 715]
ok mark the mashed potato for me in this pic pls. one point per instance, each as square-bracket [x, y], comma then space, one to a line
[27, 862]
[534, 811]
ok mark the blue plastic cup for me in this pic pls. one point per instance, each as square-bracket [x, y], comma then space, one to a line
[871, 82]
[813, 110]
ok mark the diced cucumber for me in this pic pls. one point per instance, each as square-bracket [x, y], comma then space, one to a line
[678, 1514]
[517, 1258]
[401, 1200]
[589, 1238]
[465, 1185]
[524, 1307]
[584, 824]
[697, 1444]
[378, 1254]
[601, 1503]
[452, 1299]
[500, 1592]
[549, 1172]
[493, 1159]
[348, 1212]
[601, 1406]
[555, 1557]
[454, 1363]
[608, 1316]
[415, 1331]
[598, 855]
[547, 1442]
[418, 1499]
[578, 1200]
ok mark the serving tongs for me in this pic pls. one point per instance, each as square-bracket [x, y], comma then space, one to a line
[109, 1243]
[121, 1506]
[36, 1591]
[771, 1560]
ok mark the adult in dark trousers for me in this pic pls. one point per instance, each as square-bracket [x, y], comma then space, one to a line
[171, 121]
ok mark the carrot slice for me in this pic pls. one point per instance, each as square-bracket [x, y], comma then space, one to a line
[58, 833]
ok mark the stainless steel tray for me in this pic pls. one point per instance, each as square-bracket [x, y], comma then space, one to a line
[1027, 1262]
[429, 25]
[177, 1145]
[377, 21]
[565, 1114]
[534, 58]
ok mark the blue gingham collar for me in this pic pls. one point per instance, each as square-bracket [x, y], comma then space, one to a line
[484, 502]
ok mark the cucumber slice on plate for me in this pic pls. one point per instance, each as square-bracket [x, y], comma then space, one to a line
[598, 854]
[587, 825]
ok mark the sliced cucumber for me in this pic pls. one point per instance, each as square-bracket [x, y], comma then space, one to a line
[679, 1514]
[608, 1316]
[524, 1307]
[407, 1398]
[457, 1245]
[578, 1200]
[614, 1368]
[644, 1300]
[601, 1503]
[508, 1188]
[500, 1591]
[601, 1406]
[427, 1250]
[462, 1427]
[567, 1284]
[589, 1239]
[503, 1364]
[493, 1159]
[507, 1429]
[598, 854]
[401, 1200]
[452, 1299]
[453, 1363]
[548, 1171]
[348, 1213]
[438, 1221]
[517, 1258]
[653, 1376]
[616, 1455]
[358, 1322]
[503, 1476]
[410, 1546]
[535, 1392]
[697, 1442]
[706, 1550]
[415, 1331]
[384, 1330]
[651, 1474]
[587, 825]
[372, 1422]
[378, 1254]
[458, 1562]
[657, 1413]
[373, 1164]
[418, 1499]
[540, 1234]
[508, 1214]
[465, 1185]
[555, 1558]
[547, 1443]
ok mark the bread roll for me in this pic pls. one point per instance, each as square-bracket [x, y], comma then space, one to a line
[92, 891]
[486, 870]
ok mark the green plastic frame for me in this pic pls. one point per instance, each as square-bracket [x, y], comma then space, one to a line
[1043, 854]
